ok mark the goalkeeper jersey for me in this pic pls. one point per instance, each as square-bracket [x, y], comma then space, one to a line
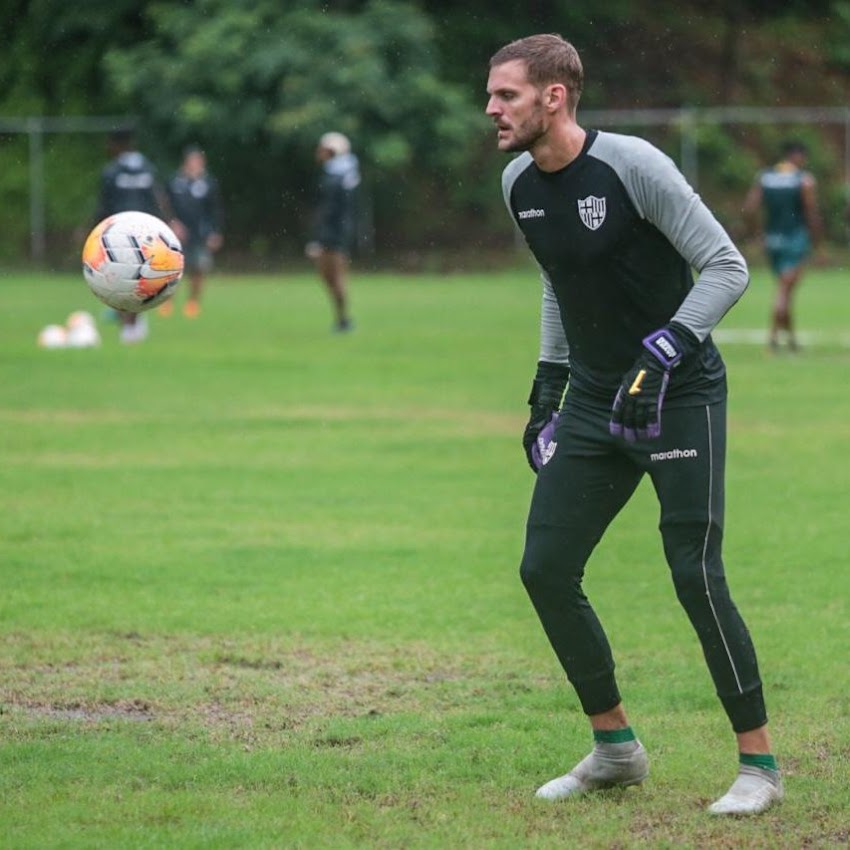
[129, 182]
[197, 203]
[618, 234]
[335, 217]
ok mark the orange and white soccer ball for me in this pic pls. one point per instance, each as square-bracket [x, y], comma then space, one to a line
[132, 261]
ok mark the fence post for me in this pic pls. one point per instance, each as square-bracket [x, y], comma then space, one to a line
[689, 144]
[847, 152]
[35, 129]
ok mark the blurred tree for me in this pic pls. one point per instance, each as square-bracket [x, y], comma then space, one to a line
[739, 15]
[257, 84]
[643, 54]
[50, 64]
[50, 53]
[839, 34]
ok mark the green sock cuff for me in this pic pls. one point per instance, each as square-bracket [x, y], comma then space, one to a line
[766, 762]
[613, 736]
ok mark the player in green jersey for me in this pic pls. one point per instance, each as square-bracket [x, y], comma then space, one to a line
[786, 197]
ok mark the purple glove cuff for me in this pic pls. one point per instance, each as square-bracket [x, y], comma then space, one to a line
[664, 347]
[544, 446]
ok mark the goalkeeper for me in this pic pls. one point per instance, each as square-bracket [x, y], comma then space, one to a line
[625, 341]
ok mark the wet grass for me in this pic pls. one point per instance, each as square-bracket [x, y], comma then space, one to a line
[259, 582]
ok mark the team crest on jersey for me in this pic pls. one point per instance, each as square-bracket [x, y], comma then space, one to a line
[592, 211]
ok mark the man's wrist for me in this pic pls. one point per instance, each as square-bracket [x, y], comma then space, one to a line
[549, 384]
[664, 347]
[670, 345]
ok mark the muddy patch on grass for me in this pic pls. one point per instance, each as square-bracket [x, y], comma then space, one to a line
[248, 690]
[133, 710]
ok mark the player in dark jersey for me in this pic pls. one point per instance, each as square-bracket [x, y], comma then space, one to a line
[197, 205]
[334, 227]
[786, 195]
[129, 182]
[625, 329]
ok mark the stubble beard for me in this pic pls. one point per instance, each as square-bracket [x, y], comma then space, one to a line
[528, 133]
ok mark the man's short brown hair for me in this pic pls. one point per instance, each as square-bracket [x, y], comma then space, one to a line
[548, 58]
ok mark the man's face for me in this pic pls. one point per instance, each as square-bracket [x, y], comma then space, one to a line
[798, 157]
[194, 164]
[516, 107]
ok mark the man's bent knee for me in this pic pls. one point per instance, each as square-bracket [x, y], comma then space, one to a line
[549, 563]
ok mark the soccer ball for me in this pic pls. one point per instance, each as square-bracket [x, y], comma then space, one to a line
[82, 330]
[132, 261]
[52, 336]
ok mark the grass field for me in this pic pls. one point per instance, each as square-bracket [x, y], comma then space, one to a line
[258, 582]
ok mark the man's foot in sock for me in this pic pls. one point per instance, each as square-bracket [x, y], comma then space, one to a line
[607, 766]
[754, 790]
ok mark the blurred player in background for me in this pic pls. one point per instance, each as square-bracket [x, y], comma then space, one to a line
[784, 199]
[196, 201]
[335, 221]
[625, 331]
[129, 182]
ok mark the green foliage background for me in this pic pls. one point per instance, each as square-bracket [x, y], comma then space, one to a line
[257, 82]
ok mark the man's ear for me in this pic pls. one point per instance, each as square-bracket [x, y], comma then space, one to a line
[555, 96]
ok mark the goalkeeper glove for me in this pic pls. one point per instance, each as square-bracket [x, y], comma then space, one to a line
[636, 414]
[545, 401]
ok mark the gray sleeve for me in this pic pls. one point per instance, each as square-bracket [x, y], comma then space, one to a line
[663, 197]
[553, 340]
[554, 347]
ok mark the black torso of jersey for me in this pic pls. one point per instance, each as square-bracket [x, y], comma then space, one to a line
[616, 277]
[562, 213]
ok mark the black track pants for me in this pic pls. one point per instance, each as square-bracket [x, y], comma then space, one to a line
[578, 493]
